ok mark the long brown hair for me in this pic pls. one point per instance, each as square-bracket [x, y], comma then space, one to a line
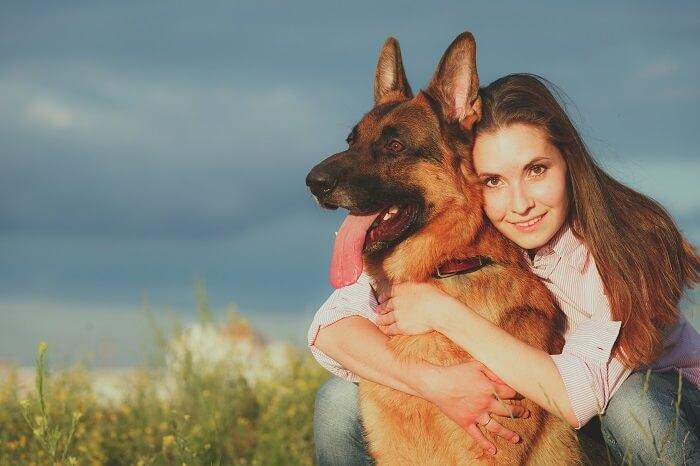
[643, 260]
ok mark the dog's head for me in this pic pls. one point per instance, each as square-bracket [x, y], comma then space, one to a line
[406, 176]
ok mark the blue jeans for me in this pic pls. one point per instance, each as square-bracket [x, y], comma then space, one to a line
[653, 426]
[339, 436]
[338, 433]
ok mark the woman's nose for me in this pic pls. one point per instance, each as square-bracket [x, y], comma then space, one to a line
[520, 200]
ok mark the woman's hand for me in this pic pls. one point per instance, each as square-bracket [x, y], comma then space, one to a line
[470, 394]
[412, 308]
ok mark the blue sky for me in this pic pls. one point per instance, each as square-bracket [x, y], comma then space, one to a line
[144, 145]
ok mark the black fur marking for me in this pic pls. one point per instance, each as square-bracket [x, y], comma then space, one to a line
[450, 130]
[391, 132]
[382, 110]
[435, 106]
[352, 136]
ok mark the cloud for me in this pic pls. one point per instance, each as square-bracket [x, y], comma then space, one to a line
[659, 68]
[107, 106]
[670, 180]
[48, 113]
[136, 141]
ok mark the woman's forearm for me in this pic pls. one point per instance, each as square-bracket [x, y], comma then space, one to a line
[360, 347]
[528, 370]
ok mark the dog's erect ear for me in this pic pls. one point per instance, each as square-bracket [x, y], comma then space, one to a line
[390, 78]
[456, 84]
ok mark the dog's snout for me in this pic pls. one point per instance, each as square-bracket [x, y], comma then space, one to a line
[321, 182]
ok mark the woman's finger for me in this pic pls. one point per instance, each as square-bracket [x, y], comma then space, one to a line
[391, 329]
[493, 426]
[384, 295]
[386, 319]
[477, 435]
[503, 391]
[508, 410]
[386, 306]
[489, 373]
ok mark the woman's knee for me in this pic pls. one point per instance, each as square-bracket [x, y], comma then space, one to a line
[336, 406]
[338, 433]
[642, 422]
[642, 400]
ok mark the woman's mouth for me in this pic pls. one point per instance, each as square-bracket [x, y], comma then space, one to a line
[529, 225]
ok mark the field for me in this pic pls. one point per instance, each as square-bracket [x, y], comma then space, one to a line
[213, 394]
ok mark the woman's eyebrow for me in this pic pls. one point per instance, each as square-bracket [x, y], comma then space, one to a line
[535, 161]
[527, 166]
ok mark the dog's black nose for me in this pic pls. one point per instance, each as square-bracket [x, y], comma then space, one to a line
[321, 182]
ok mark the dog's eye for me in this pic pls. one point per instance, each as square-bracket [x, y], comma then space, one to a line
[394, 146]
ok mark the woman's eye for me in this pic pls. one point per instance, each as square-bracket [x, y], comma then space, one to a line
[537, 169]
[394, 146]
[491, 182]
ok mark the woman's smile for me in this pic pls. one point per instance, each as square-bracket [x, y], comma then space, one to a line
[529, 225]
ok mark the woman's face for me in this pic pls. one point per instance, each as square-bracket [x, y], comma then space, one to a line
[524, 182]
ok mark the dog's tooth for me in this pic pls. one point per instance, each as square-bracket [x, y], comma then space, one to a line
[336, 233]
[393, 210]
[387, 216]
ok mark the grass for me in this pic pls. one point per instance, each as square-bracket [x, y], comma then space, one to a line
[244, 407]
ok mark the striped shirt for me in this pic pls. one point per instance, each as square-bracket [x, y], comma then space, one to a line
[591, 376]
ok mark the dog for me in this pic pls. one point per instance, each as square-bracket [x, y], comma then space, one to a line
[415, 210]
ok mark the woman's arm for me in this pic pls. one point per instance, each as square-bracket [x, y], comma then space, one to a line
[357, 299]
[528, 370]
[419, 307]
[361, 348]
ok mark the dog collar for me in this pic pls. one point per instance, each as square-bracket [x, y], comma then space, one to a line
[460, 266]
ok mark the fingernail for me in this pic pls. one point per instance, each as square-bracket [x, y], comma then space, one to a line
[492, 450]
[527, 413]
[515, 438]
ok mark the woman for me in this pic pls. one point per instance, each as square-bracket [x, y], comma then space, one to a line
[613, 259]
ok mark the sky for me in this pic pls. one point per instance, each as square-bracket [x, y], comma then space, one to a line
[147, 145]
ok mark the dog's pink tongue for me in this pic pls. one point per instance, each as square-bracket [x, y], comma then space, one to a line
[346, 263]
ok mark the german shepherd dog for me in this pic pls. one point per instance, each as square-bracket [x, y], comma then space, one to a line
[415, 205]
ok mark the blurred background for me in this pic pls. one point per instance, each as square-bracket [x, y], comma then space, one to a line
[146, 147]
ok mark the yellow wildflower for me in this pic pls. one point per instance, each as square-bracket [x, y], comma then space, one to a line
[168, 440]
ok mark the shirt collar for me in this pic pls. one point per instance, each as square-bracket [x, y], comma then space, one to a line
[564, 244]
